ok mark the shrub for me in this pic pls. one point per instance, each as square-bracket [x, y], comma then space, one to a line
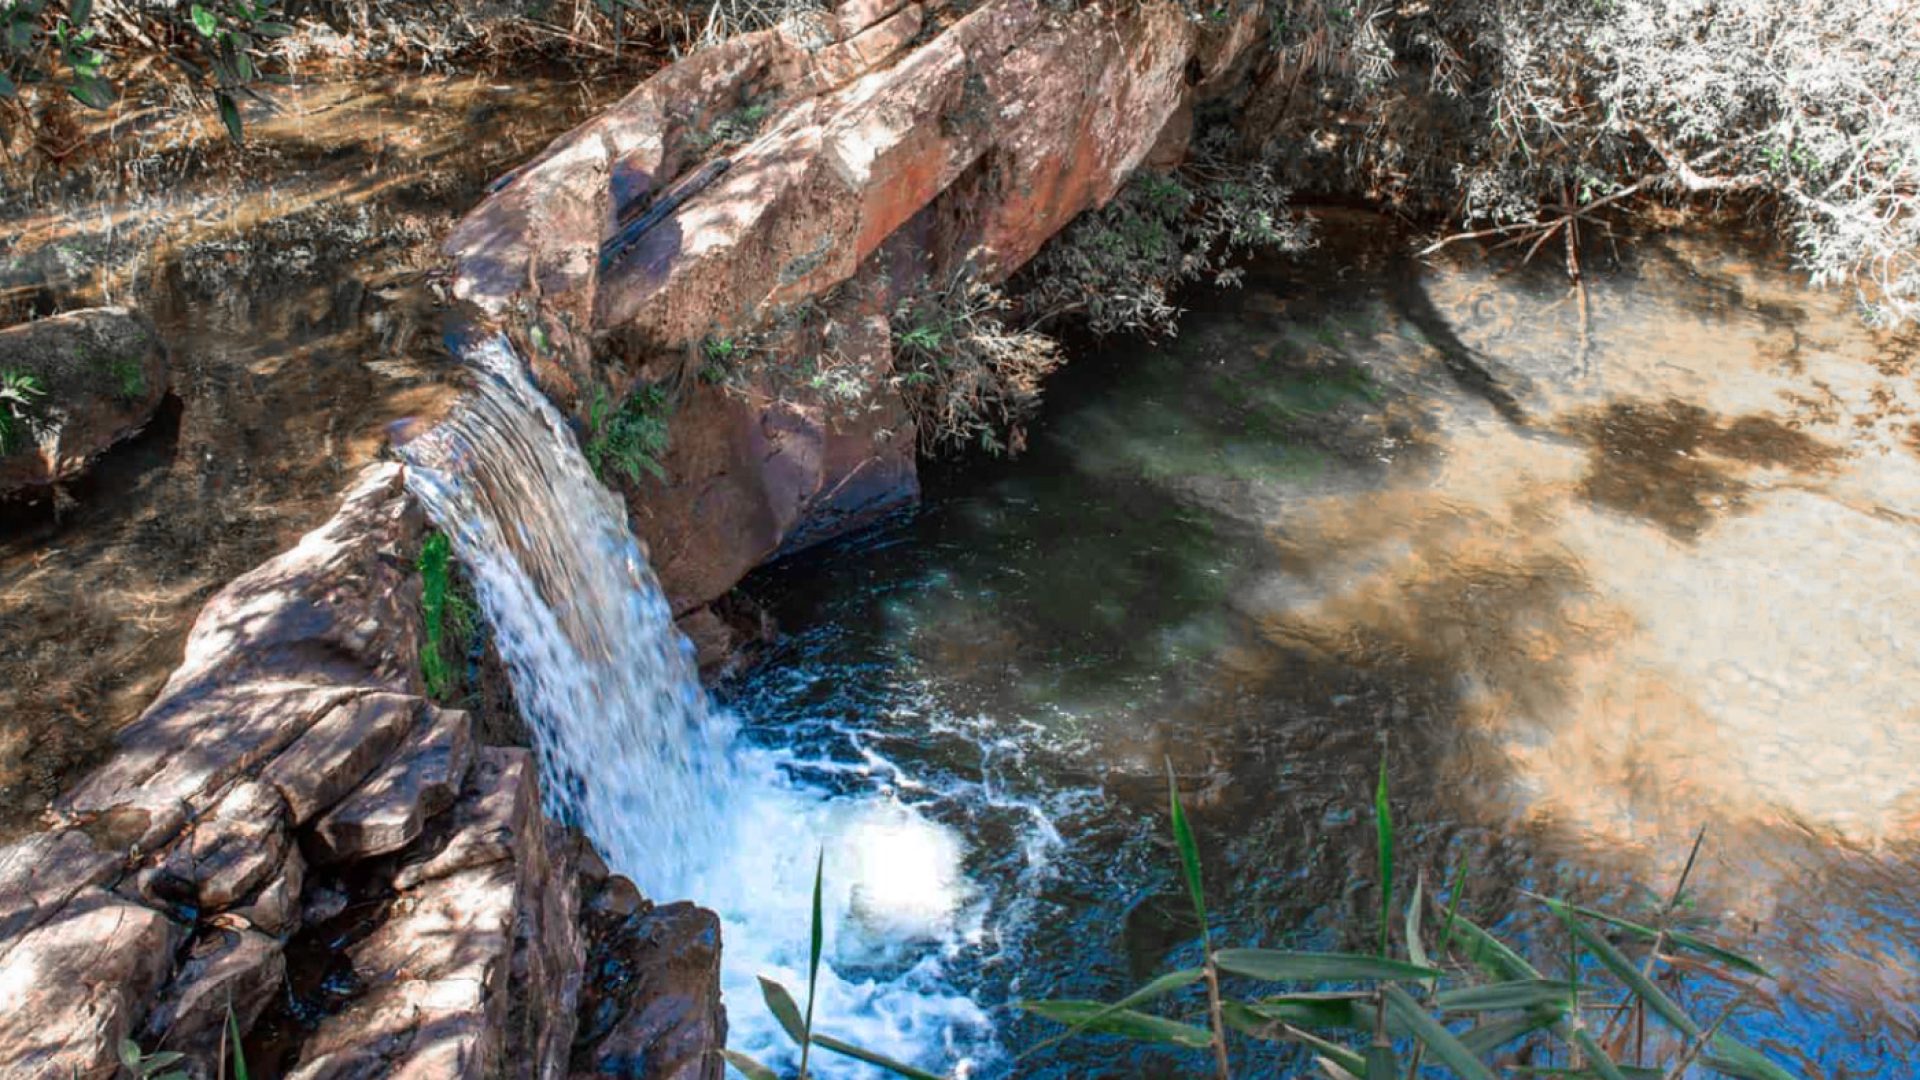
[1116, 267]
[630, 439]
[967, 377]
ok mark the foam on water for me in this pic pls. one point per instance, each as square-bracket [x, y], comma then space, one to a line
[632, 750]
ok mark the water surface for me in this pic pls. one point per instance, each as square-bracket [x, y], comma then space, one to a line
[1592, 572]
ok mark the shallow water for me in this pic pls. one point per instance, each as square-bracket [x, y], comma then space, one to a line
[1591, 592]
[289, 281]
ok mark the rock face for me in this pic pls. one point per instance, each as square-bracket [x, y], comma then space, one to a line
[289, 769]
[878, 164]
[97, 377]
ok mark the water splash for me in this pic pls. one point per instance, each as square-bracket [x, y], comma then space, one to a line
[632, 751]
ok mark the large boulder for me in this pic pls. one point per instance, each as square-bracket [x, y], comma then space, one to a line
[884, 156]
[70, 387]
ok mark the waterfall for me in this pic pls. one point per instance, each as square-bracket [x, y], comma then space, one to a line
[633, 752]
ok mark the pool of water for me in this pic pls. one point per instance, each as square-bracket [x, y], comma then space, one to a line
[1593, 572]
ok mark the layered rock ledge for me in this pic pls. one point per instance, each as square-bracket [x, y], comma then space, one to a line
[292, 809]
[891, 143]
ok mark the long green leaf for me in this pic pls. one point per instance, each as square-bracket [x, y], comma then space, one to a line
[1158, 987]
[781, 1004]
[1334, 1071]
[1349, 1060]
[239, 1056]
[813, 959]
[898, 1068]
[1678, 938]
[1382, 1062]
[1417, 949]
[1453, 905]
[1273, 965]
[1339, 1010]
[1124, 1022]
[1443, 1044]
[1383, 835]
[1515, 994]
[1729, 1055]
[1189, 851]
[1492, 955]
[1484, 1039]
[748, 1067]
[1629, 1072]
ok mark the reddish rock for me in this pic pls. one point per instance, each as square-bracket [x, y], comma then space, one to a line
[237, 969]
[101, 374]
[73, 987]
[232, 850]
[974, 147]
[338, 751]
[392, 807]
[653, 1009]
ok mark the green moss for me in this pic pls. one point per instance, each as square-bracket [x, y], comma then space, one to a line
[632, 438]
[448, 616]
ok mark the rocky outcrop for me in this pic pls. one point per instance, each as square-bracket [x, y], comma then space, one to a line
[291, 795]
[75, 384]
[896, 143]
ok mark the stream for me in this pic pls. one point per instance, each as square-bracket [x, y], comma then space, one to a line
[1592, 572]
[1669, 585]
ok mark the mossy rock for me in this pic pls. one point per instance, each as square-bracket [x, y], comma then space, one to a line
[70, 387]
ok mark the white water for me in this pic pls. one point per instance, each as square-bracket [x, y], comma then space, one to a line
[633, 752]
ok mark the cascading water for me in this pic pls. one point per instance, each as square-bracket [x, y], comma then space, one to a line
[632, 751]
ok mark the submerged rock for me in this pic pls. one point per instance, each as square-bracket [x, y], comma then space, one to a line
[74, 385]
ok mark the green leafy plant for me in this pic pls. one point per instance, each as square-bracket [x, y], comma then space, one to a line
[155, 1066]
[18, 391]
[629, 439]
[967, 377]
[1464, 1002]
[221, 46]
[446, 615]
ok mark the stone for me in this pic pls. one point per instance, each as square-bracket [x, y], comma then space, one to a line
[238, 968]
[339, 750]
[653, 1007]
[41, 872]
[437, 971]
[276, 908]
[233, 849]
[101, 374]
[389, 810]
[331, 619]
[495, 818]
[73, 987]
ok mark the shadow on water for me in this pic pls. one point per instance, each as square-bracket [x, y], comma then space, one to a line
[1297, 538]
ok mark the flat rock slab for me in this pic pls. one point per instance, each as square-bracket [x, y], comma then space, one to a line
[339, 750]
[389, 810]
[231, 851]
[71, 989]
[238, 968]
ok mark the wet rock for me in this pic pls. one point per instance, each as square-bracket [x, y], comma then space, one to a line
[241, 969]
[232, 850]
[653, 1007]
[389, 810]
[339, 750]
[100, 374]
[72, 988]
